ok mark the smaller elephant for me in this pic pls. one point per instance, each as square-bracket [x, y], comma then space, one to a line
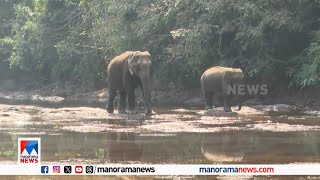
[217, 80]
[125, 73]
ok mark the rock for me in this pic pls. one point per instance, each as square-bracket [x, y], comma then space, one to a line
[63, 92]
[245, 110]
[218, 112]
[194, 102]
[14, 96]
[102, 100]
[224, 157]
[184, 111]
[83, 97]
[102, 94]
[276, 108]
[312, 112]
[253, 102]
[180, 110]
[161, 98]
[49, 99]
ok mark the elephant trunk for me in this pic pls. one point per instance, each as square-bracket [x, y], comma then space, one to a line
[146, 89]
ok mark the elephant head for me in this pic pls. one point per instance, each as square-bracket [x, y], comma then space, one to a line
[235, 76]
[139, 65]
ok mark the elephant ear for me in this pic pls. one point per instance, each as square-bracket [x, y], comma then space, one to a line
[132, 62]
[233, 76]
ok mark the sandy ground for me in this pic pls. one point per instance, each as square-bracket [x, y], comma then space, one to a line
[27, 119]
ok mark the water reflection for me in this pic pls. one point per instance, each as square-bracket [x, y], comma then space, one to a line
[122, 147]
[8, 147]
[184, 148]
[73, 146]
[261, 147]
[222, 148]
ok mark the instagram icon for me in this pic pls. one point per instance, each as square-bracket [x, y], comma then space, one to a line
[56, 169]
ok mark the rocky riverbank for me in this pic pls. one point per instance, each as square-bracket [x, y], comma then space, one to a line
[15, 118]
[174, 98]
[173, 109]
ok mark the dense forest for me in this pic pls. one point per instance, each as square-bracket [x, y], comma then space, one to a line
[72, 41]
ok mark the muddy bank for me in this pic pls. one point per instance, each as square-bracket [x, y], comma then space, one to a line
[63, 109]
[44, 120]
[33, 97]
[73, 135]
[51, 95]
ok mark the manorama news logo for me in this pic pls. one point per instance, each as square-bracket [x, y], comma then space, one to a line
[29, 150]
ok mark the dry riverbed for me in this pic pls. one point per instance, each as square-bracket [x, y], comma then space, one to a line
[29, 119]
[267, 134]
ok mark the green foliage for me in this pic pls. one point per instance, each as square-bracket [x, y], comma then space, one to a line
[308, 71]
[73, 40]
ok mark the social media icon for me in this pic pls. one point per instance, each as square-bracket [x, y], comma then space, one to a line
[89, 169]
[56, 169]
[78, 169]
[67, 169]
[44, 169]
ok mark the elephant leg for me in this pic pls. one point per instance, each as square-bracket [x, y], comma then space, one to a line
[239, 100]
[227, 103]
[131, 101]
[148, 110]
[147, 103]
[123, 102]
[112, 95]
[208, 99]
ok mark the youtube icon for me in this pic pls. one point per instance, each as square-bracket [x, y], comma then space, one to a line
[78, 169]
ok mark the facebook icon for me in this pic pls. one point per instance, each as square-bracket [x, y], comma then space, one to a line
[44, 169]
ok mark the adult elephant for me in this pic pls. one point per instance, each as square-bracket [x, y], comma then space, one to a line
[220, 79]
[125, 73]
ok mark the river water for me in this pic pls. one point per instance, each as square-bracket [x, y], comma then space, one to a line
[89, 136]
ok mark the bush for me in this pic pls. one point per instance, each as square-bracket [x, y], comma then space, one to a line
[73, 40]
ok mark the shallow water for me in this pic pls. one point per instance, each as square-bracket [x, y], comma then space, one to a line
[184, 136]
[182, 148]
